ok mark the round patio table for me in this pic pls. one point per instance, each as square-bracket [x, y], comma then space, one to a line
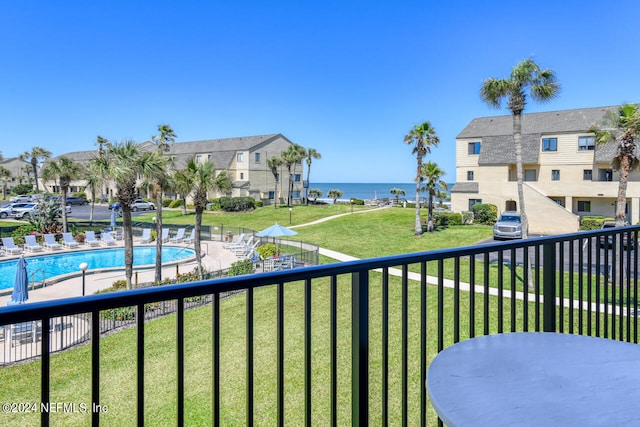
[536, 379]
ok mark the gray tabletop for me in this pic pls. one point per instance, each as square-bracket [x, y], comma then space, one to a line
[536, 379]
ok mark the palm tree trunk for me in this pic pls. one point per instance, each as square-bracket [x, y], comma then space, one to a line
[198, 227]
[517, 141]
[184, 206]
[418, 226]
[430, 223]
[128, 244]
[158, 277]
[625, 166]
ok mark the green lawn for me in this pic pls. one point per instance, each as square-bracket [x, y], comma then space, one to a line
[377, 233]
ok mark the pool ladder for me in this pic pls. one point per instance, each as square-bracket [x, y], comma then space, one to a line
[43, 283]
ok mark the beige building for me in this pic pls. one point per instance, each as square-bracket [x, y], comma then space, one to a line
[566, 176]
[21, 173]
[244, 159]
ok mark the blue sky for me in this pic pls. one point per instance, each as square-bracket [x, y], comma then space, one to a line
[348, 78]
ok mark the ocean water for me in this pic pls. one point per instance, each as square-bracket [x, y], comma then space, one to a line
[366, 191]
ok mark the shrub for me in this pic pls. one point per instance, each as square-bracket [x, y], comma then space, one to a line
[22, 189]
[267, 250]
[174, 203]
[237, 204]
[166, 202]
[467, 217]
[591, 222]
[240, 268]
[357, 202]
[485, 213]
[447, 218]
[259, 204]
[80, 194]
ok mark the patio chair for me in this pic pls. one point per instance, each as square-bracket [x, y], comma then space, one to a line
[236, 242]
[108, 240]
[179, 237]
[146, 236]
[90, 239]
[50, 242]
[243, 246]
[191, 236]
[165, 235]
[10, 246]
[31, 245]
[69, 241]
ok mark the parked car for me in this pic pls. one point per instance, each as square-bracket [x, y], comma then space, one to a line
[139, 204]
[21, 199]
[5, 211]
[73, 200]
[607, 241]
[508, 226]
[24, 210]
[114, 205]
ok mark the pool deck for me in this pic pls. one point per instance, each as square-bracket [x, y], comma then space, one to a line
[215, 258]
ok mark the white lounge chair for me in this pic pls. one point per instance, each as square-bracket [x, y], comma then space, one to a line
[165, 235]
[50, 242]
[69, 241]
[191, 236]
[108, 240]
[179, 237]
[31, 245]
[10, 246]
[146, 236]
[90, 239]
[235, 243]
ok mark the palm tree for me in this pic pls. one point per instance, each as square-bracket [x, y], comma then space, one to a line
[163, 142]
[64, 170]
[422, 137]
[335, 195]
[223, 183]
[125, 165]
[102, 143]
[34, 157]
[94, 182]
[315, 193]
[202, 175]
[432, 174]
[621, 126]
[5, 177]
[183, 185]
[542, 87]
[397, 192]
[274, 163]
[312, 153]
[291, 157]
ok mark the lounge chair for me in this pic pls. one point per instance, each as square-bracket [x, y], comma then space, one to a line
[146, 236]
[165, 235]
[90, 239]
[10, 246]
[234, 243]
[69, 241]
[50, 242]
[31, 245]
[179, 237]
[108, 240]
[191, 237]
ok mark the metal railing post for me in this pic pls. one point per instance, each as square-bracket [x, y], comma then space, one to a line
[360, 348]
[549, 287]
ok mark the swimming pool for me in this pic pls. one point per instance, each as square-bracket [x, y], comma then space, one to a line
[44, 267]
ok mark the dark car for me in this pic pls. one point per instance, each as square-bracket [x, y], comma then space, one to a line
[73, 200]
[628, 242]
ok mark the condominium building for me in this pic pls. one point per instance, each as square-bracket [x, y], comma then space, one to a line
[566, 175]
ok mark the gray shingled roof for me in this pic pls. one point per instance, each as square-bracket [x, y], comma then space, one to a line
[465, 187]
[497, 133]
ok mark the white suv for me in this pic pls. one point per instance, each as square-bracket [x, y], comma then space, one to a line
[139, 204]
[21, 199]
[508, 226]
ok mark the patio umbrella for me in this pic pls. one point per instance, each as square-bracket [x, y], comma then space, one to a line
[113, 217]
[20, 292]
[276, 230]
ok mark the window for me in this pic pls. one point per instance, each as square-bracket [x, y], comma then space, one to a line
[199, 158]
[469, 175]
[530, 175]
[241, 175]
[272, 195]
[257, 157]
[474, 202]
[474, 148]
[296, 177]
[549, 144]
[586, 143]
[240, 157]
[605, 175]
[584, 206]
[587, 174]
[555, 175]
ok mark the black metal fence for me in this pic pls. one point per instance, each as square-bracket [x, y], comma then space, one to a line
[392, 315]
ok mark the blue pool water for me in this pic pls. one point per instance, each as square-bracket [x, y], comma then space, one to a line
[55, 264]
